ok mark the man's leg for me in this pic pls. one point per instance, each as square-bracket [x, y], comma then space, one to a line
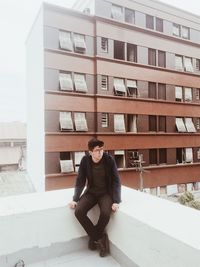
[105, 206]
[86, 202]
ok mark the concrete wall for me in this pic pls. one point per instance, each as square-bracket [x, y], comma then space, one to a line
[147, 230]
[35, 117]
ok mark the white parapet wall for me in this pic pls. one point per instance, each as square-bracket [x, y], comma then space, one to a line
[147, 230]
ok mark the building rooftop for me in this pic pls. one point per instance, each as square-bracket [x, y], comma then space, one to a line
[15, 183]
[12, 130]
[78, 259]
[146, 231]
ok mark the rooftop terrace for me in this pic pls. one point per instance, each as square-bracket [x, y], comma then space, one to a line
[147, 231]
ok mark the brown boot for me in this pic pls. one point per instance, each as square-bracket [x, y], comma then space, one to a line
[92, 244]
[103, 245]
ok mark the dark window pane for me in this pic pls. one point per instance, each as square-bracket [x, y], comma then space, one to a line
[152, 90]
[152, 156]
[119, 50]
[149, 22]
[161, 59]
[132, 52]
[162, 156]
[162, 91]
[65, 156]
[198, 64]
[179, 155]
[152, 57]
[162, 124]
[159, 25]
[152, 124]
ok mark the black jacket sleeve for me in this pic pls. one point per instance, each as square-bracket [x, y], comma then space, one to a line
[80, 180]
[116, 183]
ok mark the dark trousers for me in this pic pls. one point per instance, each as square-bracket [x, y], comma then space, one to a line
[86, 202]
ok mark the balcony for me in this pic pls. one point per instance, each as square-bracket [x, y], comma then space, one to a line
[41, 230]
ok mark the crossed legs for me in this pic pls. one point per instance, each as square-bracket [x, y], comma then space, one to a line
[88, 201]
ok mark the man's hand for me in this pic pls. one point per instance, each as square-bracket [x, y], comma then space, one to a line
[115, 207]
[72, 204]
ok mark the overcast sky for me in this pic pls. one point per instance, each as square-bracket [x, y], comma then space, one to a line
[16, 18]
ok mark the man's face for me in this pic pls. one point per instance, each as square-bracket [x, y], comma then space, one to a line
[97, 153]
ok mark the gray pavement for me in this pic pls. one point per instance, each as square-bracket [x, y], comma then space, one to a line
[78, 259]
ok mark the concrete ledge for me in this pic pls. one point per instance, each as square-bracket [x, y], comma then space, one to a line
[147, 231]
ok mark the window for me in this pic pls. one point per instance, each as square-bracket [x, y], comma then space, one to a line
[149, 22]
[104, 82]
[80, 121]
[159, 25]
[188, 94]
[188, 64]
[66, 165]
[179, 63]
[185, 32]
[66, 122]
[129, 16]
[180, 125]
[180, 155]
[161, 59]
[176, 29]
[104, 120]
[77, 159]
[119, 86]
[119, 50]
[119, 124]
[65, 40]
[162, 123]
[198, 123]
[132, 123]
[198, 153]
[153, 156]
[80, 83]
[152, 90]
[119, 158]
[190, 125]
[117, 12]
[104, 44]
[162, 91]
[79, 43]
[197, 94]
[65, 155]
[152, 124]
[179, 93]
[188, 155]
[65, 80]
[132, 88]
[131, 52]
[198, 64]
[162, 156]
[152, 57]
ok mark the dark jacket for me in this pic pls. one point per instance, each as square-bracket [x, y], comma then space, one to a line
[85, 175]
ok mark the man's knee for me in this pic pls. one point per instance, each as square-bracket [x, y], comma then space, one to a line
[79, 212]
[105, 214]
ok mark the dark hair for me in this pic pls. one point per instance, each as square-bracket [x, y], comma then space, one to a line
[94, 142]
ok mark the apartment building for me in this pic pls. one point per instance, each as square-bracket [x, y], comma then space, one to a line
[129, 74]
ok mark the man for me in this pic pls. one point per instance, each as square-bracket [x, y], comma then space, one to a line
[99, 170]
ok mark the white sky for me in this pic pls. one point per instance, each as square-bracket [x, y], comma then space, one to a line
[16, 18]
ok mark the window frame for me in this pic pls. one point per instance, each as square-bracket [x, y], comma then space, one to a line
[65, 40]
[122, 128]
[80, 122]
[65, 117]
